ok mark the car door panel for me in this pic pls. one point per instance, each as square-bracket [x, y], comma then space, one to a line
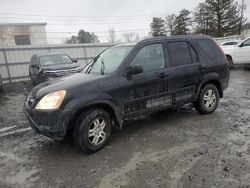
[185, 74]
[185, 80]
[145, 92]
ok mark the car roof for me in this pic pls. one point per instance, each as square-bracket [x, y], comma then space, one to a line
[178, 37]
[152, 39]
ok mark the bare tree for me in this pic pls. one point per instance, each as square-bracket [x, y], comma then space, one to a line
[111, 36]
[129, 37]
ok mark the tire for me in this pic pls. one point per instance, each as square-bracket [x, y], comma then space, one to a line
[1, 89]
[91, 122]
[210, 104]
[230, 62]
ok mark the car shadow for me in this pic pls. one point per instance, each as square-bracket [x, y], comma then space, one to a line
[148, 123]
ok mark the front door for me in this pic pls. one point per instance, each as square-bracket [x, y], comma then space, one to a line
[148, 90]
[243, 52]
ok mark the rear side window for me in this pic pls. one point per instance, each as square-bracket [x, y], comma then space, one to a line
[181, 53]
[210, 48]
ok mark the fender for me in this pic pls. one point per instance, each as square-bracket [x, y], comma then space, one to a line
[210, 77]
[78, 104]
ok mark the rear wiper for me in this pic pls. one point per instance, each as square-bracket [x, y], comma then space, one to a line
[102, 67]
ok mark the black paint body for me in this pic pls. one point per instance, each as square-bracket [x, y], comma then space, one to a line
[129, 97]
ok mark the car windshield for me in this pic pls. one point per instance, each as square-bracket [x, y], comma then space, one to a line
[108, 61]
[56, 59]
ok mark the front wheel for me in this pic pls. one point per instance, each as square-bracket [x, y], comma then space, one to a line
[208, 99]
[92, 130]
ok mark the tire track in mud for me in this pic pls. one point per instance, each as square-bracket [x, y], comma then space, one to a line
[20, 177]
[119, 177]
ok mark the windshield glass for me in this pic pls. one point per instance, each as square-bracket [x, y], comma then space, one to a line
[108, 61]
[56, 59]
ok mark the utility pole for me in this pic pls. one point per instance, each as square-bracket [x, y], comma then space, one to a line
[241, 17]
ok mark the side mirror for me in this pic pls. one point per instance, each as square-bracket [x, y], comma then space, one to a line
[240, 45]
[75, 60]
[134, 69]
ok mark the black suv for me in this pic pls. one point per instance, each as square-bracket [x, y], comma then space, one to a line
[128, 81]
[45, 67]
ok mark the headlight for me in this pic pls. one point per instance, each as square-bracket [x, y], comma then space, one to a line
[51, 101]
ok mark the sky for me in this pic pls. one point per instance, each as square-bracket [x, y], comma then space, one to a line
[66, 18]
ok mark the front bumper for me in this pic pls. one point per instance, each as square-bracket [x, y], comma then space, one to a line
[50, 123]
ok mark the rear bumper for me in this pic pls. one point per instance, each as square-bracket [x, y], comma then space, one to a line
[51, 124]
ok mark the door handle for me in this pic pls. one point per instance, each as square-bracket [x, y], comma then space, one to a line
[162, 75]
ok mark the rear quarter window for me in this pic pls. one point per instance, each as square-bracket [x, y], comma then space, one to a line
[209, 47]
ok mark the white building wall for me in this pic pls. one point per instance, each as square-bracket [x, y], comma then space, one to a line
[36, 32]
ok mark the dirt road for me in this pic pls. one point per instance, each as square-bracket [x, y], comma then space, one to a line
[178, 148]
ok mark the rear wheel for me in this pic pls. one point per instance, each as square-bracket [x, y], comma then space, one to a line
[208, 100]
[230, 62]
[92, 130]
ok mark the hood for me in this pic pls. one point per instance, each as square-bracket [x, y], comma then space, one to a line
[68, 83]
[61, 67]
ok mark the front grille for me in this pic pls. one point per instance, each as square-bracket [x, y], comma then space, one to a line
[61, 72]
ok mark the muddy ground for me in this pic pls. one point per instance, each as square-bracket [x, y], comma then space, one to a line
[178, 148]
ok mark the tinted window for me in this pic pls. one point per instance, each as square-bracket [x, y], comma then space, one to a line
[150, 57]
[180, 53]
[209, 47]
[229, 43]
[56, 59]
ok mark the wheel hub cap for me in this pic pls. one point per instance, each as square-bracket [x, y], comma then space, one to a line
[209, 99]
[97, 131]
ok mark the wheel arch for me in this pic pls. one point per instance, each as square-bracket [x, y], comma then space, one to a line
[213, 81]
[105, 105]
[228, 55]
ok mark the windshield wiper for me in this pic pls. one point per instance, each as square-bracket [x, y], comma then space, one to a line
[102, 67]
[91, 64]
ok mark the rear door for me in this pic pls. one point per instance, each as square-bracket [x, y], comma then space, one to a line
[185, 70]
[147, 91]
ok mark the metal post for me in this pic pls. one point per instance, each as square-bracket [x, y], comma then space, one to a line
[85, 53]
[7, 66]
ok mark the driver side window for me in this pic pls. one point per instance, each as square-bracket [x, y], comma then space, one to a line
[150, 57]
[246, 43]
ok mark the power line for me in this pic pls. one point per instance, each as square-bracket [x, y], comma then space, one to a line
[75, 32]
[83, 17]
[33, 37]
[94, 23]
[86, 23]
[71, 19]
